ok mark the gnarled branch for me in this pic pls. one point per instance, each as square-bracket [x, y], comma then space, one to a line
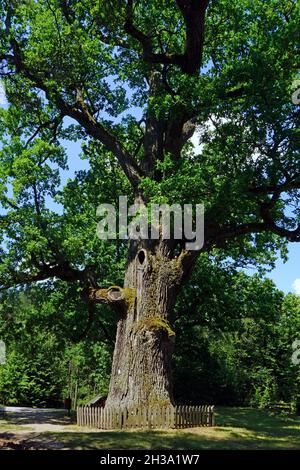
[82, 114]
[193, 12]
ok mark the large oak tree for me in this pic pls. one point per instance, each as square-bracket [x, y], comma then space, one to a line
[221, 71]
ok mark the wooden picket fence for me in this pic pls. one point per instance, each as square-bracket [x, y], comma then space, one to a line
[145, 418]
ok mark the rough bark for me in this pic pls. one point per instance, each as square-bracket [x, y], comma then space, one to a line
[141, 371]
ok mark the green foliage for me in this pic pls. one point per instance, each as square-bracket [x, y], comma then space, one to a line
[240, 101]
[46, 358]
[72, 72]
[32, 376]
[234, 338]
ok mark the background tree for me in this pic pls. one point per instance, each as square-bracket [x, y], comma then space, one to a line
[184, 64]
[47, 357]
[234, 340]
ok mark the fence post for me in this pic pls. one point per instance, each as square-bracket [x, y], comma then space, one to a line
[173, 416]
[212, 422]
[145, 417]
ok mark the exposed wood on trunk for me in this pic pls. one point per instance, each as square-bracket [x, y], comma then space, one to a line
[141, 372]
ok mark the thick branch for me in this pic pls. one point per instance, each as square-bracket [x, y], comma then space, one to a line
[118, 298]
[256, 227]
[193, 12]
[289, 184]
[44, 271]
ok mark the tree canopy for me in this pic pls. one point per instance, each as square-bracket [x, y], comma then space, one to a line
[95, 62]
[134, 81]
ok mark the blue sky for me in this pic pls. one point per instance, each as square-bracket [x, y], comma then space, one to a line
[285, 275]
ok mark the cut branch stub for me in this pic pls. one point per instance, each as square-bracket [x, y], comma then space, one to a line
[115, 296]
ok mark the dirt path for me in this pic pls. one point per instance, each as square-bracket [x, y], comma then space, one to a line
[27, 428]
[35, 419]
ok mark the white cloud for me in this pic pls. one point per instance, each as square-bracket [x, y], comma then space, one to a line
[208, 127]
[2, 95]
[296, 286]
[198, 148]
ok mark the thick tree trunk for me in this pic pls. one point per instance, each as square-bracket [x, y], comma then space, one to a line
[141, 371]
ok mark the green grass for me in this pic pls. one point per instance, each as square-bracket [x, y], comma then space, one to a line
[5, 426]
[237, 428]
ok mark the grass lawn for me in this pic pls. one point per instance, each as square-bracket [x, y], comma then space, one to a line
[6, 426]
[237, 428]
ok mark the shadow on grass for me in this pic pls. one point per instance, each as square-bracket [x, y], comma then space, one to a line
[237, 428]
[130, 440]
[179, 440]
[38, 416]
